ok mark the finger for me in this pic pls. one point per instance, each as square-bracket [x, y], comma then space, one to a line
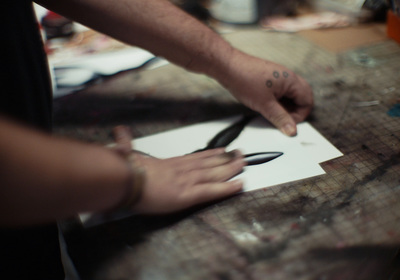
[219, 173]
[123, 138]
[279, 117]
[195, 160]
[213, 161]
[300, 113]
[297, 111]
[221, 159]
[203, 154]
[214, 191]
[303, 99]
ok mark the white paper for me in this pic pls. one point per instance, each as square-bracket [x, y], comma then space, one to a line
[316, 145]
[301, 154]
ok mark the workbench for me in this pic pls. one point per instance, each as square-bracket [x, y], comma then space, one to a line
[341, 225]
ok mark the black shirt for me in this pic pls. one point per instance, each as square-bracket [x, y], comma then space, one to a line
[25, 84]
[25, 95]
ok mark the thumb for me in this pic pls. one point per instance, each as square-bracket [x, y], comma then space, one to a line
[123, 138]
[280, 118]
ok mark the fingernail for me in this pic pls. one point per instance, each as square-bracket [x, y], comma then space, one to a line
[121, 131]
[289, 130]
[238, 184]
[232, 154]
[229, 155]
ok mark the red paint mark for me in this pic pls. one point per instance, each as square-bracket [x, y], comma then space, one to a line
[295, 226]
[271, 237]
[391, 233]
[340, 245]
[329, 69]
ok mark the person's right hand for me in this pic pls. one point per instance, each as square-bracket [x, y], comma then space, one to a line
[274, 91]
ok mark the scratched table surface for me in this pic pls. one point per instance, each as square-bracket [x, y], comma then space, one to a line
[341, 225]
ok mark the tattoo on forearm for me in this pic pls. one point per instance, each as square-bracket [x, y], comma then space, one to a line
[269, 83]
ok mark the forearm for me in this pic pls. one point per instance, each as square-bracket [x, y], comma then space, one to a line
[44, 178]
[167, 31]
[155, 25]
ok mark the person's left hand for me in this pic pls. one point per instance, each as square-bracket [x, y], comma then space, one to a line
[181, 182]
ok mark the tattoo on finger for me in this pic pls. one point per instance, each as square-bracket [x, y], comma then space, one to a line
[276, 74]
[285, 74]
[269, 83]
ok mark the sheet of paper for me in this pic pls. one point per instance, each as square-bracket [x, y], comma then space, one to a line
[301, 158]
[316, 145]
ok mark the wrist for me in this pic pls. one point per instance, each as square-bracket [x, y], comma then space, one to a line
[212, 62]
[133, 187]
[226, 70]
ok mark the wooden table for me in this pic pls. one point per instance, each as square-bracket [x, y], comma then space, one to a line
[341, 225]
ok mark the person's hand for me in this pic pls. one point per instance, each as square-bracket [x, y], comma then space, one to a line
[177, 183]
[274, 91]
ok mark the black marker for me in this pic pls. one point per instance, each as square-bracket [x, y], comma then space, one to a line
[259, 158]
